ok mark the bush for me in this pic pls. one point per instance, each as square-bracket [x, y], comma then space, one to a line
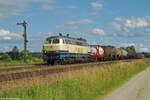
[28, 55]
[6, 57]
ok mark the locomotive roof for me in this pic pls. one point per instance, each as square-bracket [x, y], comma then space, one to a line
[65, 37]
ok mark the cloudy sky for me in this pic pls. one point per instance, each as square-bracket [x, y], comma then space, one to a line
[105, 22]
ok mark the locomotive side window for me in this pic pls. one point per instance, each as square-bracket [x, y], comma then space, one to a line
[73, 42]
[63, 41]
[68, 42]
[55, 41]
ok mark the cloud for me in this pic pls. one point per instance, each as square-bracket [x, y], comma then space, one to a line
[127, 44]
[72, 7]
[93, 13]
[72, 25]
[148, 17]
[147, 30]
[47, 1]
[128, 26]
[116, 26]
[136, 23]
[98, 31]
[133, 22]
[49, 33]
[7, 35]
[119, 19]
[144, 49]
[47, 7]
[15, 7]
[84, 21]
[97, 5]
[67, 27]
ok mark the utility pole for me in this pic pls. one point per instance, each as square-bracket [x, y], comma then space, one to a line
[24, 24]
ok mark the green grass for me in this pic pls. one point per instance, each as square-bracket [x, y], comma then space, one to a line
[12, 62]
[90, 84]
[19, 62]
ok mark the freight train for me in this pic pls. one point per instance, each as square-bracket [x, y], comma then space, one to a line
[64, 49]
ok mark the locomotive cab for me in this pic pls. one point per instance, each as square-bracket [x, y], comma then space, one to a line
[52, 49]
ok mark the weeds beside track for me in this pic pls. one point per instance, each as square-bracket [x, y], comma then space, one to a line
[87, 84]
[45, 70]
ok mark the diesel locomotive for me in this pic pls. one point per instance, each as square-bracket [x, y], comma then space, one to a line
[64, 49]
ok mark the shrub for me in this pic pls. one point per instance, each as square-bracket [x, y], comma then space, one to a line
[28, 55]
[6, 57]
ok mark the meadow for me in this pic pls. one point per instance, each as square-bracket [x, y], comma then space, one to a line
[85, 84]
[18, 63]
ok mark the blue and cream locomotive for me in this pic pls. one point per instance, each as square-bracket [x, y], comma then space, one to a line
[64, 49]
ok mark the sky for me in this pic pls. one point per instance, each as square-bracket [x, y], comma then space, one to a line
[105, 22]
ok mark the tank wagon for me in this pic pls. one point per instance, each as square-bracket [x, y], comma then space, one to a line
[64, 49]
[107, 53]
[139, 56]
[116, 53]
[124, 54]
[97, 52]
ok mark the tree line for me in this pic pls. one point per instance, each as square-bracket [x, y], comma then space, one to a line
[15, 54]
[130, 49]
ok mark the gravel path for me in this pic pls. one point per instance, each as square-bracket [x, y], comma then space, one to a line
[137, 88]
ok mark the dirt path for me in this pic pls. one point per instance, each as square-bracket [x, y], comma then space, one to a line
[137, 88]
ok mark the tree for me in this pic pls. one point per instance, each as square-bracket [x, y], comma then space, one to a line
[6, 57]
[130, 49]
[82, 39]
[111, 46]
[122, 48]
[14, 54]
[28, 55]
[37, 54]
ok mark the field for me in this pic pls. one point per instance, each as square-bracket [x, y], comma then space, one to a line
[84, 84]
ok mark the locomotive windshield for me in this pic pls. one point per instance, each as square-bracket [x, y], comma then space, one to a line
[55, 41]
[48, 41]
[52, 41]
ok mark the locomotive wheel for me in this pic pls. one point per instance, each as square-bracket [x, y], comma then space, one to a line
[52, 62]
[48, 62]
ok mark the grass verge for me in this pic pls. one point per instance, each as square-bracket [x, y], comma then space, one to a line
[15, 63]
[87, 85]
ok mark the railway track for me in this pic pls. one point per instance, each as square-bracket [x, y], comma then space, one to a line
[50, 70]
[34, 66]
